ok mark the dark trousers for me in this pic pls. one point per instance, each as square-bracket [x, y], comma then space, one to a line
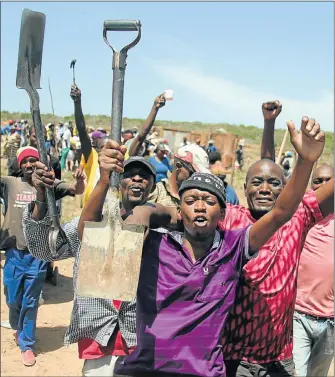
[23, 281]
[239, 368]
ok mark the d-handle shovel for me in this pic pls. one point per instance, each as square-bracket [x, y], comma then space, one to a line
[111, 250]
[28, 77]
[73, 63]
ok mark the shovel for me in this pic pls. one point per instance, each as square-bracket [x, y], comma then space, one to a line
[111, 251]
[28, 77]
[73, 63]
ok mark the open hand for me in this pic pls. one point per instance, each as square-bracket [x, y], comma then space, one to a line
[310, 141]
[75, 93]
[42, 177]
[160, 101]
[80, 177]
[111, 158]
[271, 110]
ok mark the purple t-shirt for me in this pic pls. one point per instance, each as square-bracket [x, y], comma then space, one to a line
[182, 307]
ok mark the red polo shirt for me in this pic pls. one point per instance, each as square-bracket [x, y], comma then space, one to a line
[89, 349]
[259, 328]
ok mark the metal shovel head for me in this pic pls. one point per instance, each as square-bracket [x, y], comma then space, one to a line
[30, 50]
[110, 255]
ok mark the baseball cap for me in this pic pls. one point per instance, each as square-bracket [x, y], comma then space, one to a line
[196, 156]
[206, 182]
[140, 160]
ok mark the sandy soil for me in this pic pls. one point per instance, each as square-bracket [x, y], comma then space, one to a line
[53, 359]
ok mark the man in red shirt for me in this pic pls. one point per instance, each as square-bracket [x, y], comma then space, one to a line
[258, 337]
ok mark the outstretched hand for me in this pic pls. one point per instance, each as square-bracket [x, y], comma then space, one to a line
[271, 109]
[111, 159]
[310, 141]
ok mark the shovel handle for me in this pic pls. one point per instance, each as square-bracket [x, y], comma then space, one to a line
[51, 202]
[122, 25]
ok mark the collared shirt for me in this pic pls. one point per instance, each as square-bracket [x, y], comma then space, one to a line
[162, 195]
[315, 294]
[93, 318]
[182, 307]
[260, 325]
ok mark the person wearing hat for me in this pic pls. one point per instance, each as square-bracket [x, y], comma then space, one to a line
[104, 329]
[23, 274]
[161, 162]
[188, 160]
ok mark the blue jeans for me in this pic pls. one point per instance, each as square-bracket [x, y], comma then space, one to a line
[23, 281]
[309, 345]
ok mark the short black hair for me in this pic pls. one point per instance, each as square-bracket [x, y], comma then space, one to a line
[213, 157]
[128, 132]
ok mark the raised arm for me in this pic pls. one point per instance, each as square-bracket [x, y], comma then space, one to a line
[309, 144]
[85, 141]
[136, 145]
[270, 112]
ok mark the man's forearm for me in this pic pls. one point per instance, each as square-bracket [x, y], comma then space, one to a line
[140, 138]
[268, 146]
[93, 208]
[40, 208]
[85, 141]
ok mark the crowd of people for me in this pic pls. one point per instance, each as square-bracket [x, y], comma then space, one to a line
[224, 289]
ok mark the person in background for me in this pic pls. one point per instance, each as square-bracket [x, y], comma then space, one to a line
[137, 147]
[288, 164]
[24, 275]
[313, 320]
[24, 132]
[90, 149]
[77, 152]
[127, 136]
[188, 160]
[66, 145]
[240, 156]
[50, 137]
[12, 145]
[218, 169]
[161, 163]
[184, 142]
[211, 147]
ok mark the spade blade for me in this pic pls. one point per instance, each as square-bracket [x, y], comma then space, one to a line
[30, 50]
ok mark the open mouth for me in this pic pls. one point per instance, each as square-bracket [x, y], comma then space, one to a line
[136, 191]
[264, 201]
[200, 221]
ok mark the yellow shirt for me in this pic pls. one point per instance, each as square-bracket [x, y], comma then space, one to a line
[92, 172]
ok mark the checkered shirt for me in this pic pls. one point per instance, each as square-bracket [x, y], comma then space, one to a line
[92, 318]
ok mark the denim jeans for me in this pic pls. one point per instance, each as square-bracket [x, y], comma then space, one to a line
[309, 345]
[23, 281]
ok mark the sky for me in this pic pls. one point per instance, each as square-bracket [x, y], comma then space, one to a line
[222, 60]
